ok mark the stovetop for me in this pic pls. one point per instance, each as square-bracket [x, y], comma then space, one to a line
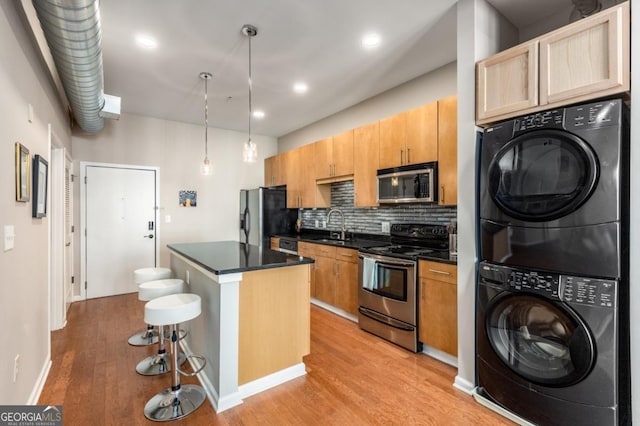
[411, 240]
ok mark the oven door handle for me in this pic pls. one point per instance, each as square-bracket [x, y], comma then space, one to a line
[385, 319]
[388, 263]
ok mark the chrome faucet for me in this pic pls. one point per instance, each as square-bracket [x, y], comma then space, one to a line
[342, 229]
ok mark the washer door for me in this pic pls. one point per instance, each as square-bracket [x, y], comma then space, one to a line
[542, 175]
[540, 341]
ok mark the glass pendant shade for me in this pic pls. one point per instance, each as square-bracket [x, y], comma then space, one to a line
[205, 168]
[250, 152]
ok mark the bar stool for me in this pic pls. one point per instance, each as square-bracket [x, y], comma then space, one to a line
[148, 336]
[159, 363]
[178, 400]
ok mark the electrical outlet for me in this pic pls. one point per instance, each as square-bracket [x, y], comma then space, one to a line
[324, 223]
[9, 237]
[16, 367]
[386, 227]
[317, 223]
[186, 277]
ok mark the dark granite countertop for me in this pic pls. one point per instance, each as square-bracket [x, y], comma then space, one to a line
[228, 257]
[358, 241]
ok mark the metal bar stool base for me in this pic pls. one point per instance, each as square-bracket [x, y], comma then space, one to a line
[144, 338]
[171, 405]
[158, 364]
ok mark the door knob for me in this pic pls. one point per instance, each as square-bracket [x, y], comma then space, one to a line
[149, 236]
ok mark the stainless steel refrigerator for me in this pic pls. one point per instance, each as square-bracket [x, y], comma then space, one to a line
[263, 213]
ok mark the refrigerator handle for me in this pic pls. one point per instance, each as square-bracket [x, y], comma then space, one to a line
[247, 224]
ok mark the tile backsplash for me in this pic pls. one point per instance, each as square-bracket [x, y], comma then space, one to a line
[368, 220]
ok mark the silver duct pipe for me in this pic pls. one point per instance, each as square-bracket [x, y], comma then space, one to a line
[72, 30]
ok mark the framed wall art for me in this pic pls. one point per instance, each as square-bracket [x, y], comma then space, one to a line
[40, 181]
[187, 198]
[23, 173]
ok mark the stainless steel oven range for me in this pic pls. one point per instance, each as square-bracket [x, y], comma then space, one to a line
[387, 294]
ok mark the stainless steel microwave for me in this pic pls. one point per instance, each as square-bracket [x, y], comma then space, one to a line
[415, 183]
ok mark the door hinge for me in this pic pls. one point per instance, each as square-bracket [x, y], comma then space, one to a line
[73, 279]
[85, 286]
[73, 229]
[85, 232]
[73, 178]
[85, 180]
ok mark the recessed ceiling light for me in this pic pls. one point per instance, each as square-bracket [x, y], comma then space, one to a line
[371, 40]
[258, 114]
[146, 41]
[300, 87]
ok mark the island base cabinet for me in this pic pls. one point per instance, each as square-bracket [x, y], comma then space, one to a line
[274, 327]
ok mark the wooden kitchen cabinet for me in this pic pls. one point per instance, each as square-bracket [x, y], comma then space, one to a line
[334, 156]
[584, 60]
[275, 170]
[325, 273]
[438, 306]
[334, 274]
[301, 185]
[308, 250]
[346, 293]
[365, 164]
[410, 137]
[448, 151]
[275, 243]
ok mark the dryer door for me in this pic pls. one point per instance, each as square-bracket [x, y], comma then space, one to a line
[542, 175]
[541, 341]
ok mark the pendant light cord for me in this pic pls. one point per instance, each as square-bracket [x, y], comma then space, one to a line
[250, 87]
[206, 120]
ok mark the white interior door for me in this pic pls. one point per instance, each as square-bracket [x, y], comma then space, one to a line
[120, 227]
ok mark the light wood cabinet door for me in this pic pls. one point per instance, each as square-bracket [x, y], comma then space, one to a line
[325, 279]
[275, 243]
[448, 151]
[587, 59]
[438, 306]
[323, 158]
[439, 315]
[347, 280]
[292, 160]
[393, 137]
[275, 171]
[365, 164]
[507, 82]
[342, 154]
[308, 250]
[422, 134]
[306, 178]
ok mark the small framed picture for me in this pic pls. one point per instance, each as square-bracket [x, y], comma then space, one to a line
[23, 173]
[40, 181]
[187, 198]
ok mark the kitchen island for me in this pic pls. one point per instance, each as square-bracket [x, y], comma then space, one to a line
[254, 328]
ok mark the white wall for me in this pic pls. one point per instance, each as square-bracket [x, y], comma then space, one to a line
[178, 150]
[422, 90]
[24, 291]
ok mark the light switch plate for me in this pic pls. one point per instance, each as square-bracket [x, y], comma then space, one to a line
[386, 227]
[9, 237]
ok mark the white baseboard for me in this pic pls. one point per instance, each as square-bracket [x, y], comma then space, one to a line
[39, 385]
[333, 309]
[440, 355]
[500, 410]
[464, 385]
[272, 380]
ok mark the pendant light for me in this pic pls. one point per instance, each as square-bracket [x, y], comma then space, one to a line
[250, 149]
[205, 168]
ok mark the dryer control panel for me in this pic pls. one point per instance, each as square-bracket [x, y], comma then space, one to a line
[570, 289]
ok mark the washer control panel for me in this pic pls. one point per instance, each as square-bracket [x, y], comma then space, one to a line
[570, 289]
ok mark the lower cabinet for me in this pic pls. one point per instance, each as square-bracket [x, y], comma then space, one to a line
[438, 306]
[334, 276]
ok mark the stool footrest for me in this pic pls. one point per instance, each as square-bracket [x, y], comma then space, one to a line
[201, 359]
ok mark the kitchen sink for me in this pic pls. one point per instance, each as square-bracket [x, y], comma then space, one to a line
[330, 241]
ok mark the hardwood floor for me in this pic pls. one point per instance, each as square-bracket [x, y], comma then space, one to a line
[353, 378]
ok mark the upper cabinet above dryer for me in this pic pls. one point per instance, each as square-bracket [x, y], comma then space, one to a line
[585, 60]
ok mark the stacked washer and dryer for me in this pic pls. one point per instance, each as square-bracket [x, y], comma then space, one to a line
[552, 328]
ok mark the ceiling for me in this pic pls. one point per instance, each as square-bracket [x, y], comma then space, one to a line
[315, 41]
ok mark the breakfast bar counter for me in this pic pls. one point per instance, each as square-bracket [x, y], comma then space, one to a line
[255, 324]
